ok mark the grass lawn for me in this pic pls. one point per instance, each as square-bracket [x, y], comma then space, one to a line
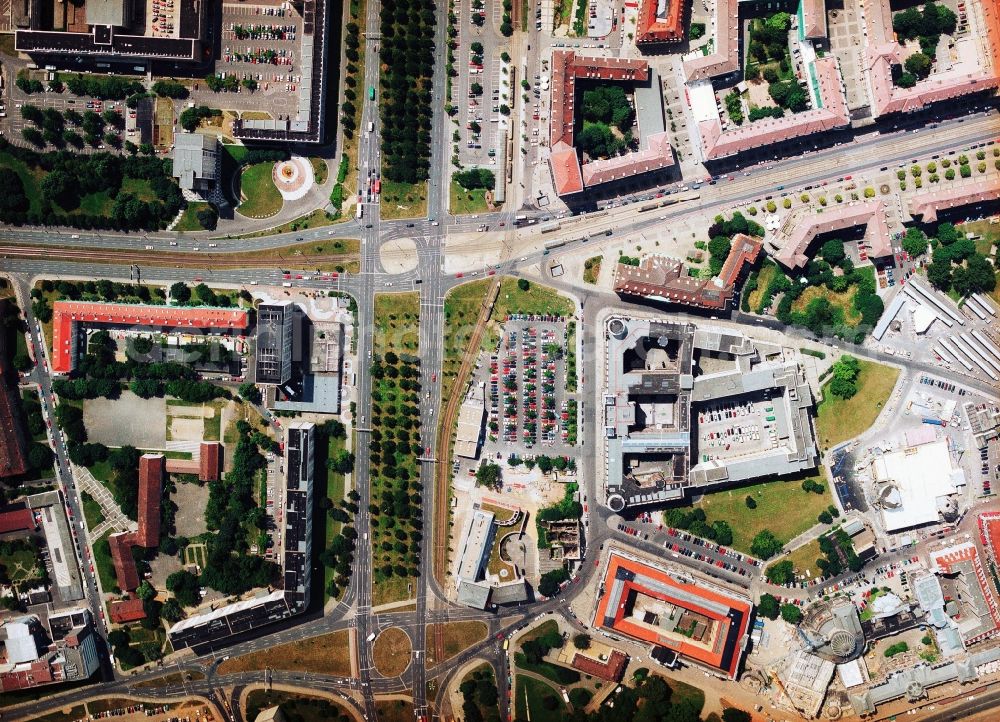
[484, 671]
[140, 188]
[537, 299]
[461, 309]
[804, 559]
[189, 219]
[317, 219]
[91, 510]
[838, 420]
[325, 654]
[299, 707]
[592, 269]
[989, 232]
[391, 652]
[782, 506]
[394, 710]
[105, 567]
[101, 470]
[843, 300]
[394, 589]
[20, 565]
[767, 273]
[320, 171]
[303, 253]
[464, 202]
[397, 321]
[403, 200]
[528, 695]
[458, 636]
[683, 692]
[549, 670]
[30, 178]
[260, 196]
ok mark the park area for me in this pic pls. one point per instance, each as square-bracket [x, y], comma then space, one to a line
[838, 419]
[396, 521]
[782, 507]
[259, 197]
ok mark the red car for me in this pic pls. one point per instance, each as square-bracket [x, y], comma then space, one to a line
[434, 376]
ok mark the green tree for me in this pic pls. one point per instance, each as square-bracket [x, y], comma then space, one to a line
[918, 65]
[180, 292]
[765, 545]
[791, 613]
[768, 606]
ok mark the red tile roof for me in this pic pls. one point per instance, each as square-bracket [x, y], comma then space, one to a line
[151, 469]
[728, 616]
[121, 557]
[882, 52]
[658, 24]
[129, 610]
[814, 18]
[18, 520]
[65, 314]
[568, 176]
[832, 113]
[789, 249]
[726, 57]
[610, 670]
[662, 277]
[928, 204]
[209, 461]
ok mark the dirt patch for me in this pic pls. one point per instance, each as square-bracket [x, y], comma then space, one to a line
[391, 652]
[126, 420]
[456, 637]
[191, 500]
[325, 654]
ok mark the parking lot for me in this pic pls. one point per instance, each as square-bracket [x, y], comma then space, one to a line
[261, 44]
[112, 131]
[479, 62]
[734, 429]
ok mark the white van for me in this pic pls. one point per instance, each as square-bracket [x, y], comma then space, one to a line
[286, 285]
[371, 126]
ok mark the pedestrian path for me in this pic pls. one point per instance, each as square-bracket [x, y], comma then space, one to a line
[113, 516]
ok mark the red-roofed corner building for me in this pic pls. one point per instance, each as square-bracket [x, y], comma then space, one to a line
[704, 623]
[926, 205]
[68, 315]
[568, 175]
[660, 21]
[662, 278]
[610, 669]
[151, 471]
[882, 51]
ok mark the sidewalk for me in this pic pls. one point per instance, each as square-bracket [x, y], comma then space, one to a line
[113, 516]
